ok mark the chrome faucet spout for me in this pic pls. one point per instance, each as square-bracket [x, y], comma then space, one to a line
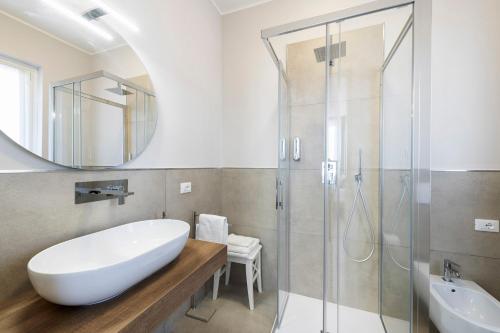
[450, 269]
[102, 190]
[117, 191]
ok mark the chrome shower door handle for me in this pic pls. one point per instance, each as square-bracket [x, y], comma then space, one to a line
[296, 149]
[282, 149]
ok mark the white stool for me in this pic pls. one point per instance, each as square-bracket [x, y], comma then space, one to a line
[253, 268]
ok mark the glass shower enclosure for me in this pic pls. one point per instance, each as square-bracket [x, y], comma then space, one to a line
[351, 231]
[101, 120]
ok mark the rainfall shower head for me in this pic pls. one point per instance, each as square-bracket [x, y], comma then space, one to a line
[118, 90]
[335, 51]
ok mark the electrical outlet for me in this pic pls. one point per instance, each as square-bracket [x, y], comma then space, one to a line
[185, 188]
[486, 225]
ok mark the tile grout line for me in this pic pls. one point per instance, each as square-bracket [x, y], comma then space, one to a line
[465, 254]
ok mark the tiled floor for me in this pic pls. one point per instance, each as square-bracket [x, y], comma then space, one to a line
[303, 314]
[233, 314]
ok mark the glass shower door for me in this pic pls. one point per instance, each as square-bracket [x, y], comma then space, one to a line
[282, 196]
[333, 172]
[301, 191]
[360, 139]
[396, 183]
[344, 197]
[353, 144]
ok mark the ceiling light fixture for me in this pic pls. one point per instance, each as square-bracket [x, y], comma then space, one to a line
[118, 17]
[77, 18]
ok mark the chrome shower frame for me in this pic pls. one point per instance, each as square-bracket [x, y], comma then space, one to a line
[76, 82]
[420, 174]
[99, 74]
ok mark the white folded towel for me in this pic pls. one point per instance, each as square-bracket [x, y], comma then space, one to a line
[241, 241]
[243, 249]
[244, 255]
[212, 228]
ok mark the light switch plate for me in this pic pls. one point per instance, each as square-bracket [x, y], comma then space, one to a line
[486, 225]
[185, 188]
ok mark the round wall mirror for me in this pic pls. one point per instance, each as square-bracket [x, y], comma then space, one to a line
[71, 90]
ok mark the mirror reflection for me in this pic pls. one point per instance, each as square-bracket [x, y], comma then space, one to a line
[71, 89]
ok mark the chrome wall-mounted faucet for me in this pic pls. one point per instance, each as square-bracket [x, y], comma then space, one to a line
[450, 270]
[117, 191]
[102, 190]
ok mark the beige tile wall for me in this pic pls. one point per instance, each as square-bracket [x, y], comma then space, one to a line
[204, 198]
[306, 80]
[457, 199]
[37, 210]
[395, 284]
[355, 94]
[248, 201]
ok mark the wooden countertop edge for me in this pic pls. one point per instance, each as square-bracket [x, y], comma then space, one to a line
[182, 278]
[159, 311]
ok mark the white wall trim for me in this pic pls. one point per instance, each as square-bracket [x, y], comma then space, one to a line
[238, 8]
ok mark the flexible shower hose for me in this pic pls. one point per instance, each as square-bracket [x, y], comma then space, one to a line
[396, 223]
[359, 194]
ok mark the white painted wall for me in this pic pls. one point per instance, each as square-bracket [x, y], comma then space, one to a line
[181, 48]
[466, 84]
[180, 45]
[466, 81]
[250, 118]
[113, 61]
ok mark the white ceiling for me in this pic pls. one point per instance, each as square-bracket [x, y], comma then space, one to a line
[50, 21]
[231, 6]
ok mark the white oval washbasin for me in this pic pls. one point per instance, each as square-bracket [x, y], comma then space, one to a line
[463, 306]
[93, 268]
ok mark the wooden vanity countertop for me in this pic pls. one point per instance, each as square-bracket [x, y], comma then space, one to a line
[140, 309]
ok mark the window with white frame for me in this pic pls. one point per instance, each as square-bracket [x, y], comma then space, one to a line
[19, 102]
